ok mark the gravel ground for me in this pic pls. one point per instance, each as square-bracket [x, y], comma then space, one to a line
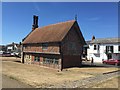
[87, 82]
[78, 83]
[8, 82]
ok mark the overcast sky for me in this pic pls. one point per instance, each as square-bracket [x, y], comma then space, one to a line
[99, 19]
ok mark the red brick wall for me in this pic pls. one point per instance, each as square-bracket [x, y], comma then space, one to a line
[32, 57]
[72, 37]
[71, 61]
[71, 56]
[52, 48]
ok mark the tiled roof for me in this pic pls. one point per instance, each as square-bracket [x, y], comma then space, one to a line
[50, 33]
[87, 42]
[106, 40]
[12, 44]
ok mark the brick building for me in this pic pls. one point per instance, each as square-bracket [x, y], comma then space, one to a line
[57, 46]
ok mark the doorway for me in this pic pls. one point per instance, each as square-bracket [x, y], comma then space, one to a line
[109, 56]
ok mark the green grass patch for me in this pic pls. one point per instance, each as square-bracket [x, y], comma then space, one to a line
[14, 78]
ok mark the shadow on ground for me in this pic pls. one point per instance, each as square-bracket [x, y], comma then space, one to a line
[99, 65]
[17, 61]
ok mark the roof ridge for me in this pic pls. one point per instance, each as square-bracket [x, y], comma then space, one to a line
[108, 38]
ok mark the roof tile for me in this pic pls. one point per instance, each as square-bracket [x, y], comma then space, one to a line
[50, 33]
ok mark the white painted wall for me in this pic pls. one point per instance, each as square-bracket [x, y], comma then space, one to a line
[10, 47]
[92, 53]
[116, 56]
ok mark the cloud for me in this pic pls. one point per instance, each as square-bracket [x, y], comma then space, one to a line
[94, 19]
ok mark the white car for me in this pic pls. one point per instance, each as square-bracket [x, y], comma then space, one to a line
[1, 52]
[12, 54]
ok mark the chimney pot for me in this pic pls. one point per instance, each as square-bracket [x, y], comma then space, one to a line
[93, 37]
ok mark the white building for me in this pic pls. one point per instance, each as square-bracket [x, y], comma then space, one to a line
[103, 49]
[13, 48]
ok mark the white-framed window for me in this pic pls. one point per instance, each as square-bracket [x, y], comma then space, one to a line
[56, 61]
[96, 47]
[24, 47]
[50, 61]
[109, 49]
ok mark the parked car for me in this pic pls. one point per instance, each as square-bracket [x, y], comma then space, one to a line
[1, 52]
[6, 54]
[111, 61]
[12, 54]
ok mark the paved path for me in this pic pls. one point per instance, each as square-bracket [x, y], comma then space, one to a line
[96, 64]
[11, 83]
[87, 82]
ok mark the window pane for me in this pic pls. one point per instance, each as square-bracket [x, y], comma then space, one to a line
[50, 61]
[44, 46]
[98, 47]
[111, 48]
[94, 47]
[37, 58]
[56, 61]
[118, 48]
[44, 60]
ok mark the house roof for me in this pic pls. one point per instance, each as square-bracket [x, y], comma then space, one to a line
[12, 44]
[87, 42]
[1, 46]
[105, 40]
[50, 33]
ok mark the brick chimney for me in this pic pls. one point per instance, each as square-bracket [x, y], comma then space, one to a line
[93, 37]
[35, 22]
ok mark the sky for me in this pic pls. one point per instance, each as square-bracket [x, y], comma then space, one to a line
[99, 19]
